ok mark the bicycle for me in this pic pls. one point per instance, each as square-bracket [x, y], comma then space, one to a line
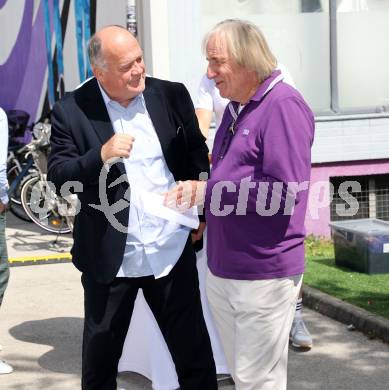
[38, 198]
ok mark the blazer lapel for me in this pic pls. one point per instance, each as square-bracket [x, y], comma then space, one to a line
[96, 111]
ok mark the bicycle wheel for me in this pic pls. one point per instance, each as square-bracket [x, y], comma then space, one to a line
[70, 223]
[41, 204]
[15, 204]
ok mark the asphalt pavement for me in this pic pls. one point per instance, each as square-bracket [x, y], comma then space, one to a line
[41, 330]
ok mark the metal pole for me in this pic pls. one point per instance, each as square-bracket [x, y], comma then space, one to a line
[131, 17]
[334, 57]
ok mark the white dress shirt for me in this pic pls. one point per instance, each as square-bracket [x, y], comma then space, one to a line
[153, 244]
[3, 157]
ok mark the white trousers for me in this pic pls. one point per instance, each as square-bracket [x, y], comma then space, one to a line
[254, 320]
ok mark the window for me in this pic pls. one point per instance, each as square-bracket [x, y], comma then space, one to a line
[382, 197]
[336, 50]
[362, 31]
[299, 39]
[373, 199]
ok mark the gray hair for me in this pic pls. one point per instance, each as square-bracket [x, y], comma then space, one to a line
[246, 45]
[96, 57]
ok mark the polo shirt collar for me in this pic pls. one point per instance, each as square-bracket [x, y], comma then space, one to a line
[267, 85]
[262, 90]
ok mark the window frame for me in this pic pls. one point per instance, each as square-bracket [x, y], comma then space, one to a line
[335, 110]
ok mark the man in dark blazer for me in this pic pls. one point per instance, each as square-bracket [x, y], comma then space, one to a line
[92, 126]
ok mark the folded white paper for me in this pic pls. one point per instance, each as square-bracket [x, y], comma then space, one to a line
[153, 204]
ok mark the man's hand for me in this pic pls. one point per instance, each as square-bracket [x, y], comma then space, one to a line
[198, 233]
[186, 195]
[3, 207]
[119, 145]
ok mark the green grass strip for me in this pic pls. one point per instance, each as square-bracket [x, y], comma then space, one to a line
[370, 292]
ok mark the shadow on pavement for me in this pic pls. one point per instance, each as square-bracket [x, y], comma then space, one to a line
[339, 359]
[25, 239]
[45, 384]
[22, 241]
[64, 334]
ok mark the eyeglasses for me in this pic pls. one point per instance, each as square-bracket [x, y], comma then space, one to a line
[227, 140]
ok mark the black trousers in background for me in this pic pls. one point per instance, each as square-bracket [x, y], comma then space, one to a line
[175, 303]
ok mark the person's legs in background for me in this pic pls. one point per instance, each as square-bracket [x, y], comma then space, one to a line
[299, 334]
[4, 276]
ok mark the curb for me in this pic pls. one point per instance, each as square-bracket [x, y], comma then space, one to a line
[371, 324]
[35, 260]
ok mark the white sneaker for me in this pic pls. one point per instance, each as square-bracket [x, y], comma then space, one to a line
[299, 335]
[5, 368]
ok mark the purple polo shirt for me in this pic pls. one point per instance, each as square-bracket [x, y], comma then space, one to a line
[254, 208]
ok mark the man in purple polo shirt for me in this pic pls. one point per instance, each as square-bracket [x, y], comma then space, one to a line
[255, 202]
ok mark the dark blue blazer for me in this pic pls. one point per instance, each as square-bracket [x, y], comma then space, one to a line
[80, 126]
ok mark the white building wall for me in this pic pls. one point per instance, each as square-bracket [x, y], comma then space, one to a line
[187, 61]
[153, 32]
[169, 31]
[111, 12]
[351, 140]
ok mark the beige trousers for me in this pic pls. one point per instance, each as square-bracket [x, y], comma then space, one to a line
[254, 319]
